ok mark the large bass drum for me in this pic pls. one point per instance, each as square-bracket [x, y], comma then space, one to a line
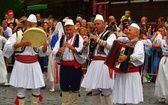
[36, 36]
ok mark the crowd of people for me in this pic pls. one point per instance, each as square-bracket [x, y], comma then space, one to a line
[72, 45]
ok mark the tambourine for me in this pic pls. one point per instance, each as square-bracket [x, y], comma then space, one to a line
[36, 36]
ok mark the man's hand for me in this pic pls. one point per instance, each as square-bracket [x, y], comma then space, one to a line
[86, 42]
[60, 51]
[68, 45]
[25, 43]
[94, 37]
[122, 58]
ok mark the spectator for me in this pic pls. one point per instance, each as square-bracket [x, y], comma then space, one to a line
[6, 16]
[166, 21]
[127, 15]
[161, 23]
[11, 18]
[39, 19]
[82, 32]
[6, 31]
[83, 23]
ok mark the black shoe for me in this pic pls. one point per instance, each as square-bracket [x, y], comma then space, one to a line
[44, 87]
[89, 93]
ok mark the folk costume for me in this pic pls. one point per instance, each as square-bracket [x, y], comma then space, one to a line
[162, 77]
[98, 76]
[70, 67]
[156, 56]
[26, 73]
[53, 73]
[128, 86]
[3, 70]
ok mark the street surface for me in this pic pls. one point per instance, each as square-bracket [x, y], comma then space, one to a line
[8, 94]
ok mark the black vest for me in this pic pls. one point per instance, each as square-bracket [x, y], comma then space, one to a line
[93, 45]
[75, 43]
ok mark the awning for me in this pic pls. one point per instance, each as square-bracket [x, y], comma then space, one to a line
[37, 7]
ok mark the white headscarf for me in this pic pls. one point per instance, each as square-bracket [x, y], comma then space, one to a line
[59, 29]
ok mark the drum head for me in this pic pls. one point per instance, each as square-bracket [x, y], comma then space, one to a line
[36, 36]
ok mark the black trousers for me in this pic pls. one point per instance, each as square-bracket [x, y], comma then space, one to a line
[70, 78]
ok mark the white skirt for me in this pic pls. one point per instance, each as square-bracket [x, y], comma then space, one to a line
[3, 70]
[161, 84]
[27, 75]
[53, 71]
[97, 76]
[127, 88]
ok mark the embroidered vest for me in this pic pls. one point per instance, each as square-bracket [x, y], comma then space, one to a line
[93, 45]
[19, 35]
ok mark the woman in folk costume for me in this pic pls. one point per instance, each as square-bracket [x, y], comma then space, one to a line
[128, 87]
[162, 77]
[26, 73]
[156, 52]
[53, 73]
[3, 70]
[66, 51]
[98, 77]
[147, 48]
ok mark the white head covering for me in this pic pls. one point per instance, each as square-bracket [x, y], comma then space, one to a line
[32, 18]
[78, 18]
[59, 29]
[69, 22]
[64, 20]
[99, 17]
[135, 25]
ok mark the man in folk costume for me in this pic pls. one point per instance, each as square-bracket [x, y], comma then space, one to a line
[66, 51]
[98, 77]
[128, 86]
[26, 73]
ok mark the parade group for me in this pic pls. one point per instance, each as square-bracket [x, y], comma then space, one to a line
[75, 44]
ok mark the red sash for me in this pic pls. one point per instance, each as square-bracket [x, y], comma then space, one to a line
[131, 69]
[71, 63]
[99, 58]
[27, 58]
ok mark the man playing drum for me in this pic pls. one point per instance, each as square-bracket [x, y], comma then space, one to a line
[26, 73]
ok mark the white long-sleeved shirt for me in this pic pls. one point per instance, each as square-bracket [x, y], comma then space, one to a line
[68, 55]
[9, 48]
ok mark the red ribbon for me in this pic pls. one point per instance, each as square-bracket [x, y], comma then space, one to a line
[40, 98]
[16, 101]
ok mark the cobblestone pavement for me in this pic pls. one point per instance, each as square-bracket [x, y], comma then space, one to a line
[8, 94]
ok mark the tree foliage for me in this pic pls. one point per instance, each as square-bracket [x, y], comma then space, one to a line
[15, 5]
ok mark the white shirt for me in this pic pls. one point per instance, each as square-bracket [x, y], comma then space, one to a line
[158, 39]
[164, 47]
[68, 55]
[9, 49]
[6, 33]
[2, 42]
[147, 44]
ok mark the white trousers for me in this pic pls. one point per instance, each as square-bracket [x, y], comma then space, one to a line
[21, 92]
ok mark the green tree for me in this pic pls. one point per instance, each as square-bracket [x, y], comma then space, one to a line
[15, 5]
